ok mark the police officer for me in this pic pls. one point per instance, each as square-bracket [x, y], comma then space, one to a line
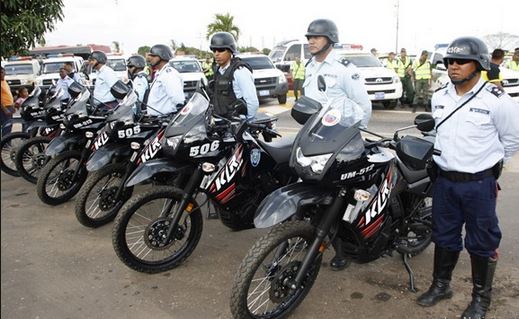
[106, 77]
[69, 67]
[138, 77]
[167, 89]
[63, 83]
[477, 127]
[342, 81]
[233, 78]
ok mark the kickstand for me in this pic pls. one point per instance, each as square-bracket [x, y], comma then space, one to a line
[405, 259]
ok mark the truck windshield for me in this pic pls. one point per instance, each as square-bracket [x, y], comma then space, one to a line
[186, 66]
[15, 69]
[259, 63]
[52, 67]
[363, 61]
[116, 64]
[277, 53]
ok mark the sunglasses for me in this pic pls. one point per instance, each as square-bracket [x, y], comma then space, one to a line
[219, 50]
[458, 61]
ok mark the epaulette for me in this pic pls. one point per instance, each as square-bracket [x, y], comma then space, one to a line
[495, 90]
[441, 87]
[344, 61]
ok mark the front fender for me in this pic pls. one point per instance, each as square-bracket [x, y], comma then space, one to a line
[62, 143]
[286, 201]
[106, 154]
[153, 167]
[37, 124]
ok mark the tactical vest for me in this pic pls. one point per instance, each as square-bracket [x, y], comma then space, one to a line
[224, 97]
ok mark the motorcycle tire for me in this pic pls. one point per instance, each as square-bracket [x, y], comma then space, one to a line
[68, 190]
[276, 277]
[131, 253]
[105, 208]
[28, 163]
[8, 151]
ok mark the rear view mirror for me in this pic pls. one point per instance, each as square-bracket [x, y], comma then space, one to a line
[321, 83]
[424, 122]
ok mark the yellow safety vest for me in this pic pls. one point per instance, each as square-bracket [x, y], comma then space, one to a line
[298, 71]
[423, 71]
[512, 65]
[403, 66]
[484, 76]
[208, 70]
[393, 65]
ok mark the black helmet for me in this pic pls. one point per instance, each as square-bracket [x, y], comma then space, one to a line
[137, 61]
[469, 48]
[99, 56]
[162, 51]
[324, 28]
[223, 40]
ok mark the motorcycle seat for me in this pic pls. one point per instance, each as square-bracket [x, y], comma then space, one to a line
[279, 148]
[411, 176]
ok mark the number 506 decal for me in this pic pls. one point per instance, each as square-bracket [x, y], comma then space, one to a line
[204, 148]
[129, 131]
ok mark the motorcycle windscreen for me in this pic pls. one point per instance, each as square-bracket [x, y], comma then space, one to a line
[334, 127]
[124, 111]
[190, 115]
[79, 107]
[54, 101]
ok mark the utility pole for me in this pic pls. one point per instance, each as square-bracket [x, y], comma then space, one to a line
[397, 22]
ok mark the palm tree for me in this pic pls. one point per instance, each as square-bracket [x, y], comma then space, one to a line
[223, 22]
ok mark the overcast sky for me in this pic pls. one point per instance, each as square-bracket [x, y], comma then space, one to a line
[372, 23]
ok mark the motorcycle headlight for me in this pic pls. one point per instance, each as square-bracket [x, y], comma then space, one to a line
[89, 134]
[316, 163]
[173, 141]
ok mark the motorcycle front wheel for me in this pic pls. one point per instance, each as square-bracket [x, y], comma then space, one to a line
[139, 233]
[9, 145]
[56, 183]
[261, 287]
[30, 158]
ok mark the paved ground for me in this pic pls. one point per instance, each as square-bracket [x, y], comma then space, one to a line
[52, 267]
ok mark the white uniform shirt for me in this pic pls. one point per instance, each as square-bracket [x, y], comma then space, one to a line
[140, 85]
[63, 84]
[166, 91]
[340, 80]
[106, 78]
[76, 77]
[480, 134]
[243, 87]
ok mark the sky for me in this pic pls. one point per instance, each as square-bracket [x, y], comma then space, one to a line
[372, 23]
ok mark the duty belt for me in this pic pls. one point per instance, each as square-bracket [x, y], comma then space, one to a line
[466, 177]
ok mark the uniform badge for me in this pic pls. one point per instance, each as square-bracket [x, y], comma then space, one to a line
[331, 118]
[355, 76]
[255, 157]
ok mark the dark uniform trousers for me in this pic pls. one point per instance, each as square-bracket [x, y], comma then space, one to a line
[470, 202]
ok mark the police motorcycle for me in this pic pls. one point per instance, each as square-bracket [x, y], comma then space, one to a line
[223, 159]
[115, 156]
[32, 113]
[30, 157]
[350, 190]
[64, 174]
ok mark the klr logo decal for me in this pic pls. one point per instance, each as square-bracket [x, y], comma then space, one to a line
[255, 157]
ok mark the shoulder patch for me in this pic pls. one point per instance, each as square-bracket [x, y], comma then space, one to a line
[495, 90]
[441, 87]
[344, 61]
[355, 76]
[168, 70]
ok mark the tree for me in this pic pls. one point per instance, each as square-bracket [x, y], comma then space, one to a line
[117, 46]
[501, 40]
[143, 50]
[223, 22]
[24, 23]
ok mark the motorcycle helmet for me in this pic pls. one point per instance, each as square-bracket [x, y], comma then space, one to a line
[325, 28]
[469, 48]
[136, 61]
[99, 56]
[223, 40]
[162, 51]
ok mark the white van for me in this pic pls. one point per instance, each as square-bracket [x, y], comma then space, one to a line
[21, 72]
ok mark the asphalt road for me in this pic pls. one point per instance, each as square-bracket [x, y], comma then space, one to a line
[52, 267]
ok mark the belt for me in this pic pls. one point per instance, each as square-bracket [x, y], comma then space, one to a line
[466, 177]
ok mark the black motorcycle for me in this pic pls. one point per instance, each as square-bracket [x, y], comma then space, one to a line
[64, 174]
[158, 229]
[115, 156]
[353, 193]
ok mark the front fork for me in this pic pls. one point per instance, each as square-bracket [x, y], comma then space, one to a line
[84, 156]
[322, 230]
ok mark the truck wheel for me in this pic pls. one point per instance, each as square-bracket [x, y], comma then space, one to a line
[282, 99]
[389, 104]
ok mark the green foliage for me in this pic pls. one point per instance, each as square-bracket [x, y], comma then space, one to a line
[24, 23]
[266, 51]
[223, 22]
[143, 50]
[248, 49]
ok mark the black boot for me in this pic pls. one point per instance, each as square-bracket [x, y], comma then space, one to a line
[444, 263]
[483, 269]
[339, 261]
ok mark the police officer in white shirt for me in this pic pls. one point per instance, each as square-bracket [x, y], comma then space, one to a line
[105, 79]
[63, 83]
[69, 66]
[343, 81]
[138, 78]
[477, 127]
[233, 79]
[342, 77]
[167, 89]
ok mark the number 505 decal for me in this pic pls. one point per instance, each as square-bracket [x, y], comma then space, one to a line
[129, 131]
[204, 148]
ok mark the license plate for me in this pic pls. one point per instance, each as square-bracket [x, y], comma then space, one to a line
[379, 95]
[264, 92]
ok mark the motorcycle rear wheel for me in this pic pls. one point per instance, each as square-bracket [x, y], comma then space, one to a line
[30, 158]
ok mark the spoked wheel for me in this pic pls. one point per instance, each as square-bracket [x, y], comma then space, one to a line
[417, 232]
[30, 158]
[9, 145]
[97, 203]
[262, 286]
[140, 230]
[56, 183]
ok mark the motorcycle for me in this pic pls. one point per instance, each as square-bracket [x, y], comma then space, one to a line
[353, 193]
[158, 229]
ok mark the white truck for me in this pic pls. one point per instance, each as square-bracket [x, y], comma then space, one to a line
[21, 72]
[50, 69]
[191, 72]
